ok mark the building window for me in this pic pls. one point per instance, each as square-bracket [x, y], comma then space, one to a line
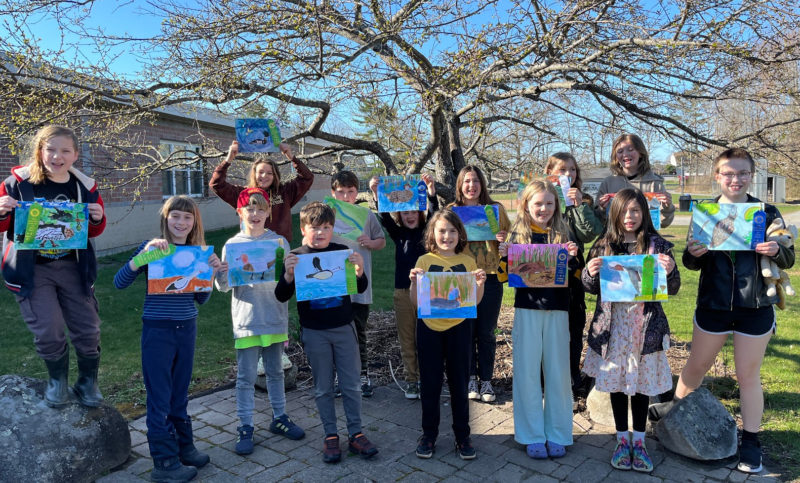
[186, 175]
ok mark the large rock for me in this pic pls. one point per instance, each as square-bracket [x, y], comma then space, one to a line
[598, 403]
[698, 427]
[42, 444]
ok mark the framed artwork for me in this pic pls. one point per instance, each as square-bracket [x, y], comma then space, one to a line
[481, 222]
[562, 184]
[324, 274]
[350, 219]
[447, 295]
[186, 270]
[729, 226]
[402, 193]
[51, 225]
[655, 209]
[254, 262]
[537, 265]
[632, 278]
[258, 135]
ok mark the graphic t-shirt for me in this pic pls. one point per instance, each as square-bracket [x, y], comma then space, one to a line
[433, 262]
[52, 191]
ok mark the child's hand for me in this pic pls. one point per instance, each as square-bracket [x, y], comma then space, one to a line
[605, 200]
[430, 183]
[501, 236]
[480, 276]
[412, 275]
[696, 248]
[289, 263]
[95, 211]
[666, 262]
[665, 199]
[572, 248]
[214, 262]
[373, 185]
[575, 195]
[593, 266]
[365, 241]
[233, 150]
[223, 268]
[157, 243]
[356, 259]
[503, 249]
[769, 248]
[286, 150]
[7, 204]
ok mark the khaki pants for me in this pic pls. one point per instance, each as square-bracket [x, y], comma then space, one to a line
[406, 319]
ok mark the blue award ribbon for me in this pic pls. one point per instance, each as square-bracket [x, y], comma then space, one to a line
[759, 228]
[561, 266]
[422, 195]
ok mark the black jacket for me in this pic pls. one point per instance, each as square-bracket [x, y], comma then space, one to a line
[728, 281]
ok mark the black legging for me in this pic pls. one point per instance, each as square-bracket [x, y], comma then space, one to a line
[619, 406]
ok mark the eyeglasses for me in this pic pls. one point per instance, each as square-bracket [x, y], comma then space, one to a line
[741, 175]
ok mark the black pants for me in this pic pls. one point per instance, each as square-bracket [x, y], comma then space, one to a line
[484, 339]
[446, 351]
[577, 322]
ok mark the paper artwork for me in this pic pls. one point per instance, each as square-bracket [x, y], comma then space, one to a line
[727, 226]
[51, 225]
[323, 275]
[562, 184]
[258, 135]
[401, 193]
[350, 219]
[537, 265]
[447, 295]
[254, 262]
[632, 278]
[185, 271]
[481, 222]
[655, 209]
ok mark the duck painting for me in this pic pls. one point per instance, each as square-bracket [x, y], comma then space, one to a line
[321, 274]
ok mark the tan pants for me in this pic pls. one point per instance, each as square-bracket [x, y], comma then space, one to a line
[406, 319]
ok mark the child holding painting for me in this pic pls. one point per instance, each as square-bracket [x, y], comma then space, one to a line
[472, 190]
[260, 327]
[169, 330]
[264, 174]
[442, 343]
[732, 298]
[586, 225]
[628, 341]
[344, 187]
[630, 166]
[55, 288]
[406, 229]
[541, 332]
[329, 335]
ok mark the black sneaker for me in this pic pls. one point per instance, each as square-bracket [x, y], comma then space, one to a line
[465, 450]
[749, 457]
[425, 447]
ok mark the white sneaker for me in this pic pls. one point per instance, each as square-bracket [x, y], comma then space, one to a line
[487, 391]
[472, 388]
[287, 364]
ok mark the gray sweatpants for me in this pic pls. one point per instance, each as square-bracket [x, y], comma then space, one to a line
[326, 349]
[58, 301]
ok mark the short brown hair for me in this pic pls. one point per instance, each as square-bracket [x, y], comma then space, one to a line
[563, 157]
[345, 179]
[317, 213]
[638, 144]
[38, 172]
[430, 230]
[733, 153]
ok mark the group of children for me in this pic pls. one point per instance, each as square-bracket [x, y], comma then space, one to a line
[626, 343]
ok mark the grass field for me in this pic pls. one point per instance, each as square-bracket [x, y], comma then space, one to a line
[120, 371]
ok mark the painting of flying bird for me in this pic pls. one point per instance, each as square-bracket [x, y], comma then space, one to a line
[185, 271]
[252, 262]
[401, 193]
[632, 278]
[323, 274]
[724, 226]
[51, 225]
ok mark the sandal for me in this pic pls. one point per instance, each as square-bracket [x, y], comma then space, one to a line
[555, 450]
[537, 451]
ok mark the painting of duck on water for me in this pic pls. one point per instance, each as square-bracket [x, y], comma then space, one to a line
[185, 271]
[632, 278]
[480, 222]
[400, 193]
[724, 226]
[252, 262]
[323, 274]
[447, 295]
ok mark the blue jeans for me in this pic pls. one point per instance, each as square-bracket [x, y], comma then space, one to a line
[247, 365]
[167, 360]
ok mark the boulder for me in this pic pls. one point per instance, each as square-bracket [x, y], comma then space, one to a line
[698, 427]
[598, 403]
[42, 444]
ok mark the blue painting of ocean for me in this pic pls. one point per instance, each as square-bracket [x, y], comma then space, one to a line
[321, 275]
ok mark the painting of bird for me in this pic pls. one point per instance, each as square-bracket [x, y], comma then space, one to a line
[724, 228]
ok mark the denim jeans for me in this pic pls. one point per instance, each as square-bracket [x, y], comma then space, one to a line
[247, 362]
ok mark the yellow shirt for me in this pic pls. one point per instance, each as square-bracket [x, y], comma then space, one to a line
[432, 262]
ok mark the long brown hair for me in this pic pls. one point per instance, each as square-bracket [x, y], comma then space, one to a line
[36, 163]
[483, 198]
[187, 205]
[638, 144]
[449, 216]
[274, 188]
[613, 241]
[557, 228]
[563, 157]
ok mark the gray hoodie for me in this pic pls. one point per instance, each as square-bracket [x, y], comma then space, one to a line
[254, 308]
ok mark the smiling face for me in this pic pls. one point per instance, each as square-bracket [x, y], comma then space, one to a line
[317, 237]
[58, 154]
[471, 188]
[180, 224]
[446, 237]
[410, 219]
[264, 175]
[345, 193]
[541, 207]
[253, 219]
[565, 168]
[631, 218]
[734, 176]
[627, 157]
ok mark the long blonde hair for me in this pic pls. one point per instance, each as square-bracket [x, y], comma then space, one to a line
[557, 229]
[38, 171]
[187, 205]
